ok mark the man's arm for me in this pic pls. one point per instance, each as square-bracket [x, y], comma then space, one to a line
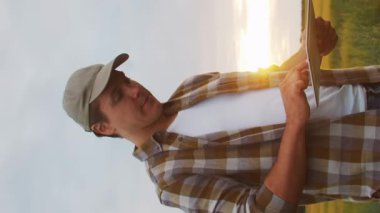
[287, 176]
[296, 58]
[213, 193]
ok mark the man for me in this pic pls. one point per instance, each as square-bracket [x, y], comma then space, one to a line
[246, 169]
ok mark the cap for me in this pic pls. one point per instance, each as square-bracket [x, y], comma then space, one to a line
[84, 86]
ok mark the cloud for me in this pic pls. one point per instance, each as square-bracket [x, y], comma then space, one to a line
[285, 29]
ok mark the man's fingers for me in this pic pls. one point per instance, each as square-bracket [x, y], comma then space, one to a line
[326, 36]
[302, 66]
[297, 79]
[305, 76]
[301, 85]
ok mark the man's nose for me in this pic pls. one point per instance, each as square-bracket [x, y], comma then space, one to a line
[133, 90]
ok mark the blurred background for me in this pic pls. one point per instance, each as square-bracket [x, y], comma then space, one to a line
[49, 164]
[357, 23]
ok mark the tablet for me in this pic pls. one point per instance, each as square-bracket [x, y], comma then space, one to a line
[312, 52]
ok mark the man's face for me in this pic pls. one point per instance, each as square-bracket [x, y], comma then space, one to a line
[129, 107]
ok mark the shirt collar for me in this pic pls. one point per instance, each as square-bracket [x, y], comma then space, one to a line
[148, 149]
[153, 146]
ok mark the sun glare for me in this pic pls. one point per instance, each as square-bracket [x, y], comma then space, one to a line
[254, 38]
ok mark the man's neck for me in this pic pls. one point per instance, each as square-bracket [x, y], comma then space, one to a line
[160, 125]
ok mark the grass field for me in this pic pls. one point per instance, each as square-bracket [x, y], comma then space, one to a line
[357, 23]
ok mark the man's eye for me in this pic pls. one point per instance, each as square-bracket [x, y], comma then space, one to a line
[127, 80]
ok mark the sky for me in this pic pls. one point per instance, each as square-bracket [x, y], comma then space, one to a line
[47, 162]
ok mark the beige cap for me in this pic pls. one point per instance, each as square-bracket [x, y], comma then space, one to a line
[84, 86]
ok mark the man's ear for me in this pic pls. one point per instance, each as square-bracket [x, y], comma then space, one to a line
[103, 128]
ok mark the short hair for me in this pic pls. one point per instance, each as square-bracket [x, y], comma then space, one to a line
[97, 116]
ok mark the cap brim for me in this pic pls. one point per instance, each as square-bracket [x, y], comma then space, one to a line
[104, 74]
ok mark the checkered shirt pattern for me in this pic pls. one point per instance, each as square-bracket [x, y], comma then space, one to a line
[224, 171]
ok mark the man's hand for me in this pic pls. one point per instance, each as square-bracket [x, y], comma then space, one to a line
[327, 39]
[292, 92]
[326, 36]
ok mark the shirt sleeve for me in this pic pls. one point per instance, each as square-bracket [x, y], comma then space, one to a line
[202, 193]
[272, 68]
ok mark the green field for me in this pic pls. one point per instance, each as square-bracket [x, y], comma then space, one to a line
[357, 23]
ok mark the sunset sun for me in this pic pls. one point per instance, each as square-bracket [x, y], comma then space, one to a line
[254, 48]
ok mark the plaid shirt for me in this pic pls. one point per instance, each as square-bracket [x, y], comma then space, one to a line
[225, 171]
